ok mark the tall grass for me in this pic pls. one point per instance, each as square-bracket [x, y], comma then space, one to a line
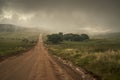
[102, 57]
[16, 42]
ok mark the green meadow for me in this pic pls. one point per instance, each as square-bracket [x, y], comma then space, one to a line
[99, 56]
[16, 42]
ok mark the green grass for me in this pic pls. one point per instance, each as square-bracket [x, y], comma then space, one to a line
[14, 42]
[102, 57]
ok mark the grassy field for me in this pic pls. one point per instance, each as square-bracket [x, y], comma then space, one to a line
[100, 56]
[16, 42]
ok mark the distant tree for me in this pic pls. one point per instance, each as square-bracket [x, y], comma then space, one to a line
[57, 38]
[72, 37]
[60, 33]
[54, 38]
[84, 36]
[77, 37]
[68, 37]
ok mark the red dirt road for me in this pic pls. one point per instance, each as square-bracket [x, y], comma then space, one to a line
[35, 64]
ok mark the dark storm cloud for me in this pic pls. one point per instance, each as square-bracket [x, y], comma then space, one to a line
[33, 5]
[2, 3]
[64, 14]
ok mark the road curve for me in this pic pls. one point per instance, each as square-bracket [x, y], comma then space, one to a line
[35, 64]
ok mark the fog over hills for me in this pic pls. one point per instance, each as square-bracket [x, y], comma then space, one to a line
[77, 16]
[111, 35]
[15, 28]
[9, 28]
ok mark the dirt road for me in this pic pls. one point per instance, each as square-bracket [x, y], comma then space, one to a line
[35, 64]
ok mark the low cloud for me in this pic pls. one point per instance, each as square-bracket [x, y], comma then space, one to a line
[90, 16]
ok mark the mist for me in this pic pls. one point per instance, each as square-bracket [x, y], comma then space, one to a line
[77, 16]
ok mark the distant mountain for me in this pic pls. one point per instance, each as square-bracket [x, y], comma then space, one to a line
[10, 28]
[14, 28]
[108, 35]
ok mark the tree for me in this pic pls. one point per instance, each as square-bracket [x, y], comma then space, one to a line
[77, 37]
[84, 36]
[54, 38]
[68, 37]
[58, 38]
[60, 33]
[72, 37]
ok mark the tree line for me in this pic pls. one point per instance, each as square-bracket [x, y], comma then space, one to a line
[60, 37]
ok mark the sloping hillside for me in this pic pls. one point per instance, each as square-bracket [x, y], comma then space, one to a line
[9, 28]
[108, 35]
[15, 28]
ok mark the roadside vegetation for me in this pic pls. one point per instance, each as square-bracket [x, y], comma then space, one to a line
[99, 56]
[16, 42]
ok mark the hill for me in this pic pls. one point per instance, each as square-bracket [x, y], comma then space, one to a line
[9, 28]
[112, 35]
[15, 28]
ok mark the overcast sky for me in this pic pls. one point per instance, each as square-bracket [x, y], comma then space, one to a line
[88, 16]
